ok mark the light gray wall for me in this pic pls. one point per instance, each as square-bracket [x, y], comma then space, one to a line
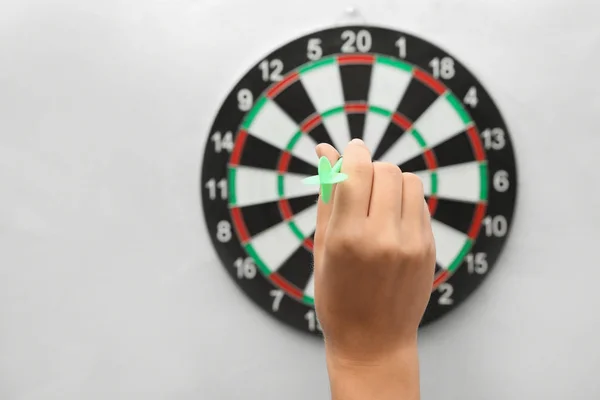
[109, 288]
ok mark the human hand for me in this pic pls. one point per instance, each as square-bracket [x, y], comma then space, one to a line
[374, 260]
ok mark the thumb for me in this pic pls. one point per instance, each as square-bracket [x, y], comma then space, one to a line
[324, 209]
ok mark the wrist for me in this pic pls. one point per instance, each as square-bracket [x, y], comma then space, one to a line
[393, 376]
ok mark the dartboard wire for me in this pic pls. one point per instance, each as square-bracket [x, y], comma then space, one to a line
[349, 108]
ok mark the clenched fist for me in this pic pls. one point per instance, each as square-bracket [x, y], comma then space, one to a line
[374, 266]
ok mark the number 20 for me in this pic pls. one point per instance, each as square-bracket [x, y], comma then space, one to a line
[354, 41]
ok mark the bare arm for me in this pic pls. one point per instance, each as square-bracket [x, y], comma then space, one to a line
[396, 378]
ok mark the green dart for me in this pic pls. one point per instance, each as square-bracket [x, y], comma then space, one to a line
[328, 176]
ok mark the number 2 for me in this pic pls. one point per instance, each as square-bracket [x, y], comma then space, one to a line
[446, 291]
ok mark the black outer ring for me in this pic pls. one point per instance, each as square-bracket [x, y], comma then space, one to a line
[420, 52]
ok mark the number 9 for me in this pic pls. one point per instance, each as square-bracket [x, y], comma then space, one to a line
[245, 99]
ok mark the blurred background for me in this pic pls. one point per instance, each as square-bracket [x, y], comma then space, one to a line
[109, 287]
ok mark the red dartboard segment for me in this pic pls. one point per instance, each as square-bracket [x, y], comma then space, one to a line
[285, 209]
[283, 283]
[478, 149]
[281, 85]
[435, 85]
[311, 123]
[239, 224]
[441, 278]
[430, 159]
[308, 244]
[401, 121]
[284, 162]
[356, 59]
[477, 220]
[238, 147]
[351, 108]
[432, 203]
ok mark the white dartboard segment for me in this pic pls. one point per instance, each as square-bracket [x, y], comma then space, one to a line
[324, 88]
[388, 85]
[402, 150]
[272, 125]
[439, 123]
[375, 127]
[275, 245]
[294, 187]
[306, 220]
[461, 182]
[448, 243]
[255, 186]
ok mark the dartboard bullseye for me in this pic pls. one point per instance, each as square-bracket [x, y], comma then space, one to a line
[413, 104]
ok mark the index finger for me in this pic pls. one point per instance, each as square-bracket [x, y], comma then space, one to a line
[324, 209]
[354, 194]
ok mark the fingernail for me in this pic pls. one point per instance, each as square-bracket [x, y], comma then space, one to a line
[357, 141]
[318, 151]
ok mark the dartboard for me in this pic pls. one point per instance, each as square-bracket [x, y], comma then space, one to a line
[412, 103]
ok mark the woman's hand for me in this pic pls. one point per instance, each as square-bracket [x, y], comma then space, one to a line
[374, 267]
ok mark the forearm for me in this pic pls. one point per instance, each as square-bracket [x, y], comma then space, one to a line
[396, 378]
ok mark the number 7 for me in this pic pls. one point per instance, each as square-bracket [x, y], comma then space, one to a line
[277, 297]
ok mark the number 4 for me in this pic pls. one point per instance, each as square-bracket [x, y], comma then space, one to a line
[471, 98]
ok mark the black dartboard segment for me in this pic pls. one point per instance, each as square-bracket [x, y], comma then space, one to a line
[412, 103]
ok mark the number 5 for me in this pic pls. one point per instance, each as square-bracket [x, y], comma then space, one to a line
[314, 50]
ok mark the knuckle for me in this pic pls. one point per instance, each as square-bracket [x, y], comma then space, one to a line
[347, 242]
[362, 166]
[386, 167]
[389, 251]
[412, 181]
[415, 249]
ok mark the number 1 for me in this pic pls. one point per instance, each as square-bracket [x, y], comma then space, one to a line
[401, 45]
